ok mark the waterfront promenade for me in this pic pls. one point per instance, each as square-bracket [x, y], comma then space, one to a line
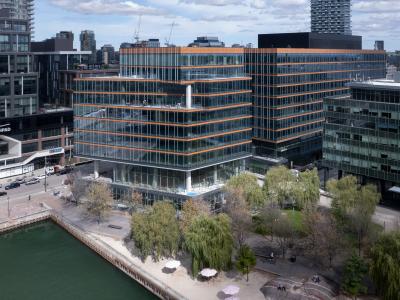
[112, 240]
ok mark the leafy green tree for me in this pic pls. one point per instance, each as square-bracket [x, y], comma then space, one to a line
[245, 260]
[360, 216]
[385, 266]
[252, 191]
[353, 207]
[344, 194]
[98, 200]
[156, 232]
[354, 274]
[306, 190]
[237, 209]
[191, 209]
[278, 185]
[209, 241]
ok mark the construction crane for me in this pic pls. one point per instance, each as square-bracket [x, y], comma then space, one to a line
[167, 41]
[137, 31]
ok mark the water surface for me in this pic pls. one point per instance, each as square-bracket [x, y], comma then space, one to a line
[44, 262]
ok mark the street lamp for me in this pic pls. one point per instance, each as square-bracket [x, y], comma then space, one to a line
[45, 174]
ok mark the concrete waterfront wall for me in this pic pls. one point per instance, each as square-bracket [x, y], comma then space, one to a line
[134, 271]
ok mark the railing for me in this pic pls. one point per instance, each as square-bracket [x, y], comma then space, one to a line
[120, 261]
[147, 280]
[24, 221]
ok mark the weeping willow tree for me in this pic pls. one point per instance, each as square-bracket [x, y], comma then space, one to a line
[385, 266]
[306, 190]
[156, 232]
[209, 241]
[251, 190]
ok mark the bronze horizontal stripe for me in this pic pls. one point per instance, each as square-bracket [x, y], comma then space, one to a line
[300, 84]
[289, 138]
[289, 106]
[310, 73]
[291, 127]
[311, 51]
[302, 94]
[127, 93]
[165, 124]
[183, 109]
[162, 137]
[292, 116]
[223, 93]
[183, 50]
[184, 67]
[163, 94]
[166, 152]
[315, 63]
[178, 82]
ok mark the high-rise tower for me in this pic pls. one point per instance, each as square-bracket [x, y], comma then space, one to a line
[88, 43]
[18, 10]
[331, 16]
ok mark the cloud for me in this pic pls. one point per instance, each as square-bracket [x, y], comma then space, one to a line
[231, 20]
[100, 7]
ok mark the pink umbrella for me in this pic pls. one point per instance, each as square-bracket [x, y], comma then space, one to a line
[231, 290]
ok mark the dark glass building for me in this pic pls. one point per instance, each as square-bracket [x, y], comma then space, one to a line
[289, 85]
[88, 43]
[18, 80]
[176, 123]
[362, 132]
[50, 65]
[28, 133]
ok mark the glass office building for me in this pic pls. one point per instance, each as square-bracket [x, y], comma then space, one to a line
[175, 124]
[362, 132]
[18, 81]
[289, 85]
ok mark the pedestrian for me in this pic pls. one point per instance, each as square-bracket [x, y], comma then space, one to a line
[29, 198]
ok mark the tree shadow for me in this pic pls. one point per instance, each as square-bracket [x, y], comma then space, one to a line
[168, 271]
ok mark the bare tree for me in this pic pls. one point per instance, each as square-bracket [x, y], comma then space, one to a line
[238, 210]
[323, 239]
[270, 215]
[99, 200]
[77, 185]
[134, 199]
[192, 209]
[284, 231]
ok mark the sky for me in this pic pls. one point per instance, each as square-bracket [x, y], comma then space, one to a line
[233, 21]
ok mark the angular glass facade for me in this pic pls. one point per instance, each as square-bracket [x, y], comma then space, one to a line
[288, 90]
[362, 132]
[176, 120]
[18, 80]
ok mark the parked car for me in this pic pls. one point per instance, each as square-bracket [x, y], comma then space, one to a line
[12, 185]
[64, 171]
[20, 180]
[32, 181]
[3, 193]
